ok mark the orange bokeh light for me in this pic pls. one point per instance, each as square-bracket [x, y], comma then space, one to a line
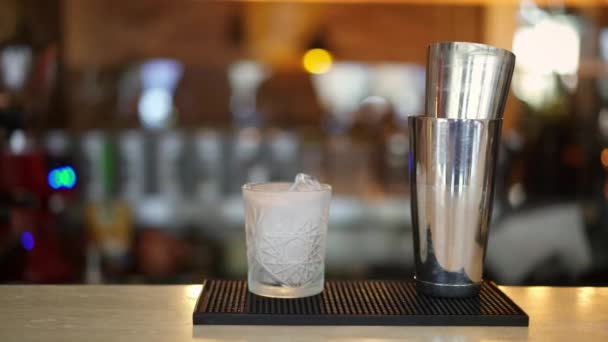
[604, 157]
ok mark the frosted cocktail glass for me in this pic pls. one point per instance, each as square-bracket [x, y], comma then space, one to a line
[286, 237]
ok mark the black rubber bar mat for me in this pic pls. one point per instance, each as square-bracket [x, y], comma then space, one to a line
[228, 302]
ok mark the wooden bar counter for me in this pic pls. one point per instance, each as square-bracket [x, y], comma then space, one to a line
[164, 313]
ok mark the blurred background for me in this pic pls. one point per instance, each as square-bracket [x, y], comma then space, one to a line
[128, 127]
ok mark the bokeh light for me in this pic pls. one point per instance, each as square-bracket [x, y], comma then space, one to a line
[155, 107]
[317, 61]
[544, 49]
[27, 240]
[550, 46]
[18, 142]
[604, 157]
[341, 90]
[159, 79]
[62, 178]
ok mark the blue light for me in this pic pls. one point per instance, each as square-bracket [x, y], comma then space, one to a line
[409, 157]
[53, 179]
[62, 177]
[27, 240]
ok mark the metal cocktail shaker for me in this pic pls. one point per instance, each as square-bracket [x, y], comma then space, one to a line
[454, 151]
[467, 80]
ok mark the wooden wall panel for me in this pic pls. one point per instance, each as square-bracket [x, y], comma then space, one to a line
[101, 38]
[115, 32]
[398, 32]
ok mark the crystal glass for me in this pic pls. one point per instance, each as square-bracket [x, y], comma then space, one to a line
[286, 237]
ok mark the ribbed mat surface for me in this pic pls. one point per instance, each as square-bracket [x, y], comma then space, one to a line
[354, 303]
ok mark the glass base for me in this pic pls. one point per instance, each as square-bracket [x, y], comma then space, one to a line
[284, 292]
[448, 291]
